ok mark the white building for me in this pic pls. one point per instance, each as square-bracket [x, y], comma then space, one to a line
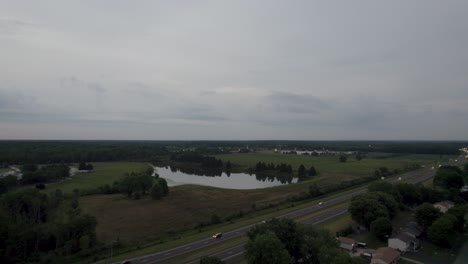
[403, 242]
[444, 206]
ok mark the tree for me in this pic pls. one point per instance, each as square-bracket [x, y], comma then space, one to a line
[342, 158]
[228, 166]
[449, 177]
[82, 166]
[266, 248]
[301, 171]
[287, 232]
[386, 200]
[163, 183]
[359, 156]
[157, 192]
[426, 215]
[381, 228]
[210, 260]
[442, 232]
[314, 190]
[409, 193]
[89, 166]
[459, 211]
[365, 209]
[312, 171]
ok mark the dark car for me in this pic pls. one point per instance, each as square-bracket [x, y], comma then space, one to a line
[218, 235]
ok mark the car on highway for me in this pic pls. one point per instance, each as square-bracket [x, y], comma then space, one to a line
[217, 235]
[321, 203]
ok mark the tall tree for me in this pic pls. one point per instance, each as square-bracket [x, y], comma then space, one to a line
[266, 248]
[426, 215]
[442, 232]
[365, 209]
[312, 171]
[381, 228]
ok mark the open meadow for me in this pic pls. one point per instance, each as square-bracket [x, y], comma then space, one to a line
[103, 173]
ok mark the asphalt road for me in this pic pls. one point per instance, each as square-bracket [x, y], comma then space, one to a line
[412, 177]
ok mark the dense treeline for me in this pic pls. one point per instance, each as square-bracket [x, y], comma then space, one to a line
[49, 152]
[282, 171]
[281, 168]
[285, 241]
[449, 178]
[416, 147]
[204, 161]
[35, 227]
[53, 152]
[375, 209]
[135, 186]
[34, 174]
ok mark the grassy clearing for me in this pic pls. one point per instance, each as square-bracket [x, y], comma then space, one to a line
[442, 254]
[192, 235]
[104, 173]
[428, 183]
[336, 224]
[148, 220]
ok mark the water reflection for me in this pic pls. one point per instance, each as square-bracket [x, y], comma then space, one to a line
[180, 176]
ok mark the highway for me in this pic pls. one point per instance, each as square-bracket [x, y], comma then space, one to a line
[228, 254]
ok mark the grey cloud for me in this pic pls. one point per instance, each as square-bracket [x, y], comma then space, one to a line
[96, 87]
[15, 100]
[143, 90]
[10, 27]
[296, 103]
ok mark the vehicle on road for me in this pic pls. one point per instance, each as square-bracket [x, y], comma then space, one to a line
[217, 235]
[321, 203]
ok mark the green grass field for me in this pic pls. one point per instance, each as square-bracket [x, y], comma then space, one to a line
[328, 167]
[104, 173]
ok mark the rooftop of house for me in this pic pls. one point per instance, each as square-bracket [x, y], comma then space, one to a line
[413, 228]
[347, 240]
[446, 204]
[405, 238]
[386, 254]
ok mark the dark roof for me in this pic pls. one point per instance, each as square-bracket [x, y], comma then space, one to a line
[405, 238]
[413, 228]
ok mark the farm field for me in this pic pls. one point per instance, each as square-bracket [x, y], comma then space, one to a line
[104, 173]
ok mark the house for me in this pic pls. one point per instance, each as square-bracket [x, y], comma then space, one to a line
[385, 255]
[444, 206]
[403, 242]
[347, 243]
[412, 229]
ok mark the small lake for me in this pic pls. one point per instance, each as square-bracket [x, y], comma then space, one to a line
[240, 181]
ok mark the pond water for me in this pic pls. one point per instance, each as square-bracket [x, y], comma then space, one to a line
[238, 181]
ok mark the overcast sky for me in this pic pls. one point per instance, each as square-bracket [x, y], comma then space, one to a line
[231, 70]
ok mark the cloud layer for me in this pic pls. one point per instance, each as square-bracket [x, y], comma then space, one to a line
[234, 70]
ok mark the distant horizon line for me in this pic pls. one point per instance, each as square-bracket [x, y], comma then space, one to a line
[252, 140]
